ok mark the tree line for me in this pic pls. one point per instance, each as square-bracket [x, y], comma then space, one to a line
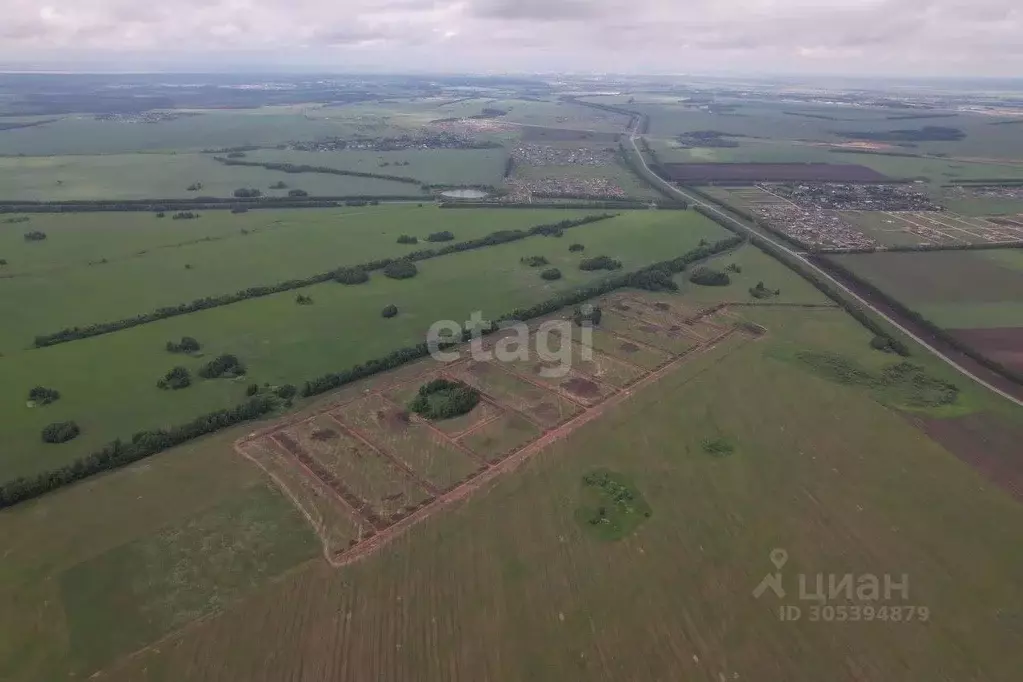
[199, 203]
[303, 168]
[656, 277]
[118, 453]
[501, 237]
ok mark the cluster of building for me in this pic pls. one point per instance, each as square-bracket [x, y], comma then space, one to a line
[423, 140]
[526, 189]
[815, 228]
[847, 197]
[145, 116]
[546, 155]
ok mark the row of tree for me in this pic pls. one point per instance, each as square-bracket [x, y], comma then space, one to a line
[296, 168]
[118, 453]
[199, 203]
[496, 238]
[656, 277]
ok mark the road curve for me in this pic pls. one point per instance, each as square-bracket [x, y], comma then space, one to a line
[806, 263]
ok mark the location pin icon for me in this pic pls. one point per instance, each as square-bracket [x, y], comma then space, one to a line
[779, 558]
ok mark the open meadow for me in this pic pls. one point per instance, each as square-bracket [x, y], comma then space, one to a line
[758, 443]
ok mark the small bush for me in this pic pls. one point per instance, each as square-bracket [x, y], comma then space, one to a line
[401, 269]
[185, 215]
[576, 248]
[441, 237]
[252, 390]
[408, 239]
[718, 447]
[351, 276]
[600, 263]
[734, 268]
[535, 261]
[161, 214]
[175, 380]
[247, 193]
[303, 300]
[551, 274]
[390, 311]
[187, 345]
[280, 184]
[61, 432]
[40, 395]
[286, 392]
[35, 236]
[225, 366]
[443, 399]
[298, 193]
[709, 277]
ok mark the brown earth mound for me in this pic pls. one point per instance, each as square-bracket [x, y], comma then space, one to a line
[582, 388]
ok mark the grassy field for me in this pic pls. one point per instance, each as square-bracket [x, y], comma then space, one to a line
[433, 166]
[83, 134]
[616, 172]
[511, 586]
[167, 262]
[108, 382]
[168, 176]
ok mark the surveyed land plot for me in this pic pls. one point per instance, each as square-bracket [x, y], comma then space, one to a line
[935, 228]
[387, 469]
[409, 439]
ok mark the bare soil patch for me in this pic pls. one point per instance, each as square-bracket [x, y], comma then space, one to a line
[697, 173]
[582, 387]
[988, 443]
[629, 348]
[1003, 344]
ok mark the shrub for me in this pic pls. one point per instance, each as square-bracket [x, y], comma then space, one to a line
[236, 155]
[286, 392]
[61, 432]
[718, 447]
[588, 313]
[441, 237]
[443, 399]
[408, 239]
[535, 261]
[175, 380]
[35, 236]
[226, 366]
[351, 276]
[187, 345]
[40, 395]
[576, 248]
[709, 277]
[194, 187]
[161, 214]
[252, 390]
[390, 311]
[3, 262]
[295, 193]
[734, 268]
[551, 274]
[762, 292]
[247, 193]
[185, 215]
[600, 263]
[280, 184]
[401, 269]
[303, 300]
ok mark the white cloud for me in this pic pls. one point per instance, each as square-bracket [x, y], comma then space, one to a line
[877, 36]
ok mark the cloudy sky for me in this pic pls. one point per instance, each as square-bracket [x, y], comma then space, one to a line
[893, 37]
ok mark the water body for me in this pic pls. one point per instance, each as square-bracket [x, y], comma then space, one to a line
[464, 194]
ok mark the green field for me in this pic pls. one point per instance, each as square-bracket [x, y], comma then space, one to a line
[168, 176]
[108, 382]
[823, 470]
[432, 166]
